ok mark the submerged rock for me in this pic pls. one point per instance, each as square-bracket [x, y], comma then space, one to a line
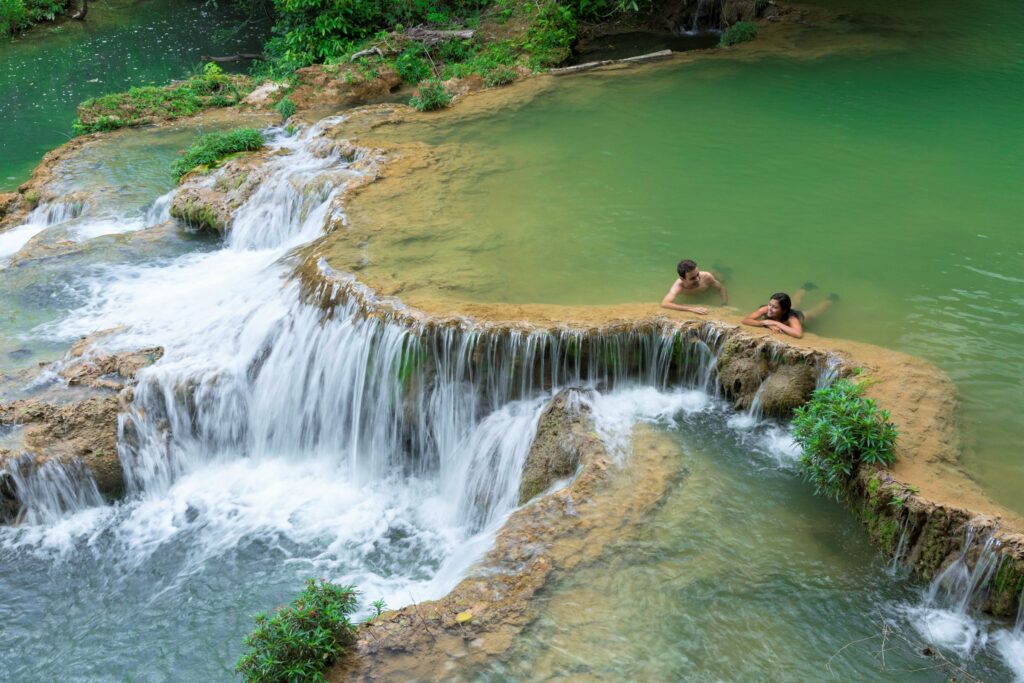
[564, 431]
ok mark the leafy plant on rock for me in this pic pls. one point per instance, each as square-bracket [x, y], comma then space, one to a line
[212, 148]
[740, 32]
[302, 639]
[839, 429]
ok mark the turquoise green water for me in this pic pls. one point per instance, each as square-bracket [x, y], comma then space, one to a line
[888, 172]
[46, 72]
[741, 575]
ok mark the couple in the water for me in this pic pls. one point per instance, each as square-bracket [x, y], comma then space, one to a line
[778, 314]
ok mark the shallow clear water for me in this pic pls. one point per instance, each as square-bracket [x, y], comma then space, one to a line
[888, 172]
[46, 72]
[742, 574]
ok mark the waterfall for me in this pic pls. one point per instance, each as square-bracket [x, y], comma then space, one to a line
[695, 25]
[45, 215]
[50, 491]
[944, 617]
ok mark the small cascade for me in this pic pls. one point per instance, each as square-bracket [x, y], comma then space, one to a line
[828, 372]
[44, 216]
[895, 564]
[958, 585]
[160, 211]
[695, 24]
[51, 491]
[944, 617]
[1018, 626]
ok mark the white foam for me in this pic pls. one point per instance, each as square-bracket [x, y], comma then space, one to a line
[949, 629]
[1010, 646]
[615, 414]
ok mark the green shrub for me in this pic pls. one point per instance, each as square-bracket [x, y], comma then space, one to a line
[301, 640]
[411, 66]
[430, 95]
[500, 75]
[838, 430]
[286, 108]
[210, 149]
[19, 14]
[13, 16]
[551, 36]
[740, 32]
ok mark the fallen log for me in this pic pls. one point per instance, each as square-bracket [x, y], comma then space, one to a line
[576, 68]
[366, 53]
[233, 58]
[431, 36]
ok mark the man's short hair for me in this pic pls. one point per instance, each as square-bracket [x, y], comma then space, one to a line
[685, 266]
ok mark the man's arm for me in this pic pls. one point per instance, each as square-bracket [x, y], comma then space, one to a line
[722, 292]
[668, 301]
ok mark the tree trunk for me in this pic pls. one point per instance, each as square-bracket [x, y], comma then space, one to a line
[80, 14]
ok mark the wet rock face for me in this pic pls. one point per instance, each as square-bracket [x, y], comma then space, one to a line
[788, 388]
[82, 430]
[740, 377]
[565, 428]
[788, 375]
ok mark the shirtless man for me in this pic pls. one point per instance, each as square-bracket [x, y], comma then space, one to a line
[692, 281]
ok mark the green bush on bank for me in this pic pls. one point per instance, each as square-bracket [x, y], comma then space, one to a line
[740, 32]
[430, 96]
[211, 88]
[16, 15]
[838, 430]
[211, 149]
[301, 640]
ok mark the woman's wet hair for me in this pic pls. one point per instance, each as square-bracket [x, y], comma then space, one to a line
[785, 303]
[685, 266]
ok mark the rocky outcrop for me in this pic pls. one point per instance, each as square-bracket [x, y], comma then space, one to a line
[343, 85]
[563, 433]
[784, 375]
[208, 202]
[81, 430]
[479, 619]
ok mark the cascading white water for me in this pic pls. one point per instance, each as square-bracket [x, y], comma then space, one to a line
[44, 216]
[50, 491]
[944, 616]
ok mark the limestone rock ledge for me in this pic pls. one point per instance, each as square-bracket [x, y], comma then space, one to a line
[443, 639]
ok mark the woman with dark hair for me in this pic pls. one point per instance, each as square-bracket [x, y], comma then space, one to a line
[780, 316]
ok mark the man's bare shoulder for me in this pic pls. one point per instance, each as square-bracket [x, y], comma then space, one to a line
[706, 278]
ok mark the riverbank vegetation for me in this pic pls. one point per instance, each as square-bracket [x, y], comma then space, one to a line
[839, 429]
[301, 640]
[149, 104]
[17, 15]
[424, 42]
[211, 149]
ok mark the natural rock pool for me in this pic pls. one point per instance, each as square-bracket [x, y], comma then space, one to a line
[269, 444]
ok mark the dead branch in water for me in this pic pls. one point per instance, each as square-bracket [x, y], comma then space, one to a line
[576, 68]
